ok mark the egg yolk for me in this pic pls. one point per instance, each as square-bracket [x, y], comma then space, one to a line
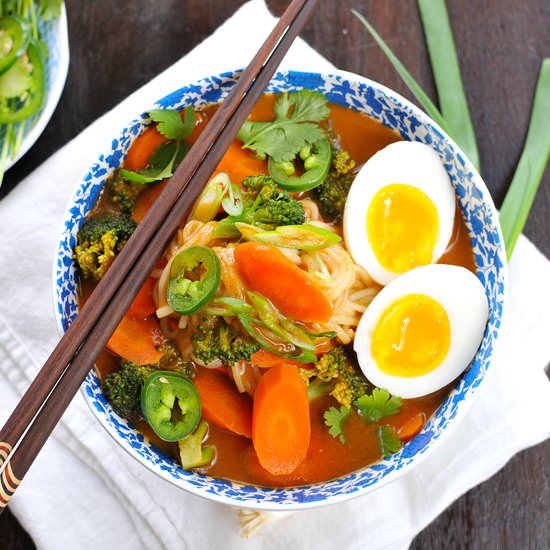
[402, 227]
[412, 336]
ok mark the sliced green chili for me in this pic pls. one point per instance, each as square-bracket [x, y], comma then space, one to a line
[171, 405]
[195, 276]
[317, 159]
[15, 33]
[24, 86]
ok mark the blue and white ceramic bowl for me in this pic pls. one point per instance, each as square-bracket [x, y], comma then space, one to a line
[481, 218]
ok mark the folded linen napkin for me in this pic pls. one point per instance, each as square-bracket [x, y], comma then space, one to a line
[83, 488]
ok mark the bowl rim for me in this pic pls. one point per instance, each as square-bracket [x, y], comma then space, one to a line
[434, 442]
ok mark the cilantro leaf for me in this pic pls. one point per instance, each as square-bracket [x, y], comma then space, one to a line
[302, 106]
[170, 124]
[49, 9]
[378, 405]
[335, 419]
[295, 126]
[162, 164]
[388, 439]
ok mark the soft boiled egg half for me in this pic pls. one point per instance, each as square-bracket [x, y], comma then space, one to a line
[400, 211]
[422, 330]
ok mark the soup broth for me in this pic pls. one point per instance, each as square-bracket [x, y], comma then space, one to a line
[327, 457]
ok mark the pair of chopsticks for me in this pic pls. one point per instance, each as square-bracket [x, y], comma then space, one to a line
[43, 404]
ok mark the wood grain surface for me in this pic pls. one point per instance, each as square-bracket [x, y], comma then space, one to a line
[118, 46]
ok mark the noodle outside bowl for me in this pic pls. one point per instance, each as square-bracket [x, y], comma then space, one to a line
[481, 219]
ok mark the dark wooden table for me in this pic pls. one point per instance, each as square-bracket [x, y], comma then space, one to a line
[118, 46]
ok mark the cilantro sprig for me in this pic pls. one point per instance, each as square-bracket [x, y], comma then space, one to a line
[335, 419]
[296, 125]
[170, 124]
[166, 158]
[378, 405]
[388, 439]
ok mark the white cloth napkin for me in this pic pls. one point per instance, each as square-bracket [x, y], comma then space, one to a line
[84, 490]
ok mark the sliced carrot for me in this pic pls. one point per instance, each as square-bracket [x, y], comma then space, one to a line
[281, 429]
[323, 345]
[137, 340]
[143, 304]
[268, 271]
[161, 263]
[265, 360]
[146, 200]
[411, 426]
[221, 402]
[142, 148]
[201, 119]
[239, 163]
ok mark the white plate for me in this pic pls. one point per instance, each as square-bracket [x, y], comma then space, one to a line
[55, 35]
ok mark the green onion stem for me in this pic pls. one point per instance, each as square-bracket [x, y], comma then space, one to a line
[5, 151]
[446, 70]
[19, 138]
[532, 163]
[32, 9]
[412, 84]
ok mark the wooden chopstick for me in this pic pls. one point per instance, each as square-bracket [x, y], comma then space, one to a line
[62, 374]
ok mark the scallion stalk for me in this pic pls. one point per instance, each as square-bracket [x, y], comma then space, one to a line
[532, 163]
[409, 80]
[446, 70]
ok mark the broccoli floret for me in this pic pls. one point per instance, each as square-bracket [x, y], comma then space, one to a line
[267, 206]
[123, 388]
[347, 384]
[333, 192]
[216, 339]
[99, 240]
[172, 360]
[124, 192]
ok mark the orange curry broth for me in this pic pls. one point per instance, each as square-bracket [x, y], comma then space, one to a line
[327, 457]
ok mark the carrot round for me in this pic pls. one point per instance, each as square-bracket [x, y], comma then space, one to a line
[265, 269]
[239, 163]
[265, 360]
[201, 120]
[143, 304]
[221, 402]
[146, 199]
[281, 429]
[142, 148]
[411, 426]
[137, 340]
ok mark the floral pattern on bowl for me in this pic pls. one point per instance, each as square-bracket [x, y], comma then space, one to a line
[481, 219]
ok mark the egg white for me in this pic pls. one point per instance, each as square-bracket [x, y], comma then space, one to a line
[463, 298]
[403, 162]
